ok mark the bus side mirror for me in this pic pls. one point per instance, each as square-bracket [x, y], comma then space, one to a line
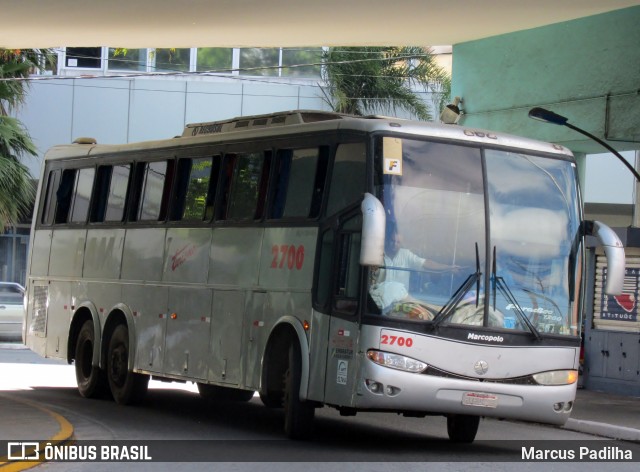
[373, 228]
[614, 251]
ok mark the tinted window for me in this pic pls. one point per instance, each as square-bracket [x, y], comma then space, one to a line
[117, 193]
[245, 187]
[49, 206]
[64, 194]
[348, 176]
[193, 182]
[295, 183]
[155, 189]
[82, 195]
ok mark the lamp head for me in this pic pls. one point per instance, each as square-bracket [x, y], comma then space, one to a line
[451, 113]
[547, 116]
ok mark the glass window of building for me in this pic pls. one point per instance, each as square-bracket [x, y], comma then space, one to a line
[88, 58]
[172, 60]
[214, 59]
[256, 61]
[297, 62]
[127, 59]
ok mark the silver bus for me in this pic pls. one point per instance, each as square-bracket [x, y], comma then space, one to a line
[319, 259]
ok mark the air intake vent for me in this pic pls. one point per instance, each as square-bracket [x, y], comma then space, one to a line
[39, 319]
[262, 121]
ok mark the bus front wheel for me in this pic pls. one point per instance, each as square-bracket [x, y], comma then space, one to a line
[126, 387]
[91, 380]
[462, 428]
[298, 414]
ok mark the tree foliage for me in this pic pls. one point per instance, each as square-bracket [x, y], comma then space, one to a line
[383, 79]
[16, 189]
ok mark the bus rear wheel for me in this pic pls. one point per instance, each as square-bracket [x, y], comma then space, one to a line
[91, 380]
[224, 394]
[298, 414]
[126, 387]
[462, 428]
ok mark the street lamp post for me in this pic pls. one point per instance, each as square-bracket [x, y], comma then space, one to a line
[547, 116]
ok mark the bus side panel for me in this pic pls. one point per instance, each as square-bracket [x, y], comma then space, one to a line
[187, 333]
[235, 256]
[342, 362]
[318, 348]
[103, 296]
[149, 305]
[287, 258]
[257, 334]
[58, 319]
[103, 255]
[227, 321]
[187, 255]
[67, 252]
[41, 245]
[143, 254]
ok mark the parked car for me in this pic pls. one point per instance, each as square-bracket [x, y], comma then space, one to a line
[11, 311]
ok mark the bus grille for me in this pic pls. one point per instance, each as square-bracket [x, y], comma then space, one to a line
[525, 380]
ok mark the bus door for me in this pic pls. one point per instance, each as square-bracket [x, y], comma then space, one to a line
[340, 383]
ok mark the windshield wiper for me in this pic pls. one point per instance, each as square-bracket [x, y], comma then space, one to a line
[448, 308]
[499, 283]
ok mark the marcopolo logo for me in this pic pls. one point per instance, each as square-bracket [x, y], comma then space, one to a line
[485, 337]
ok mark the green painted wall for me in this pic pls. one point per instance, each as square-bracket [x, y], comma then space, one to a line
[569, 68]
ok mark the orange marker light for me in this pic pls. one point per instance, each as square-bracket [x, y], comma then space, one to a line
[306, 325]
[174, 316]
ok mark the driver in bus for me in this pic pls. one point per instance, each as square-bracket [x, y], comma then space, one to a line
[390, 284]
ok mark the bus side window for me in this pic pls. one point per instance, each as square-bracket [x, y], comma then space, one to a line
[264, 186]
[117, 193]
[228, 166]
[64, 194]
[49, 205]
[243, 202]
[100, 193]
[295, 183]
[82, 195]
[213, 186]
[324, 277]
[349, 270]
[155, 189]
[192, 183]
[348, 181]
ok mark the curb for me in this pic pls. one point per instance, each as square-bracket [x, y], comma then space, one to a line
[603, 429]
[64, 434]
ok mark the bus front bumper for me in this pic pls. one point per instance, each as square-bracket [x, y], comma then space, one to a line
[383, 388]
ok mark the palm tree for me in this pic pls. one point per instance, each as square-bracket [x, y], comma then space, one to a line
[16, 189]
[383, 79]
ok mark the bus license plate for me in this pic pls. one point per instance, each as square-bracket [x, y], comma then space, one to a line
[480, 399]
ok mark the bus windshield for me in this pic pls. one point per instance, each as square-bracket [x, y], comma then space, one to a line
[497, 248]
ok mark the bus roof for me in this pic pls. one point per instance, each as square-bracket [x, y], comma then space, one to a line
[303, 121]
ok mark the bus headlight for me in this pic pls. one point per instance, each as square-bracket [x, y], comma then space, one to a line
[556, 377]
[396, 361]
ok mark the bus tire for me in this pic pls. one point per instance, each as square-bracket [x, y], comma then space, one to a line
[462, 428]
[91, 380]
[298, 414]
[126, 387]
[224, 394]
[271, 399]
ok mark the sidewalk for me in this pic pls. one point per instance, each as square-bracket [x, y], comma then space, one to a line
[606, 415]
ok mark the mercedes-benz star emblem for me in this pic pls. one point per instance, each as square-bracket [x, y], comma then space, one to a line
[481, 367]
